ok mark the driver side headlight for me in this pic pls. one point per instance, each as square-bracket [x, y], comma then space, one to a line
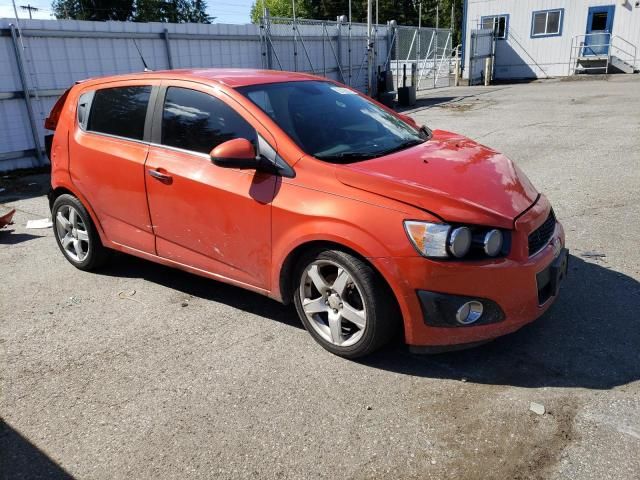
[440, 240]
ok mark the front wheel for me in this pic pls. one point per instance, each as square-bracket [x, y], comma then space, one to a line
[343, 303]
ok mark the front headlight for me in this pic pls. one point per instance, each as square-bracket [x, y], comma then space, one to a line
[430, 239]
[440, 240]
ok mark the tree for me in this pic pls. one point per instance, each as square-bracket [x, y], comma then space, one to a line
[405, 12]
[280, 8]
[173, 11]
[93, 9]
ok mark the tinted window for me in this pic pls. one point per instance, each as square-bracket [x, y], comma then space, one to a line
[198, 122]
[332, 122]
[120, 111]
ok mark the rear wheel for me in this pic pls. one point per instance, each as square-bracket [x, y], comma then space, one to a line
[343, 303]
[76, 234]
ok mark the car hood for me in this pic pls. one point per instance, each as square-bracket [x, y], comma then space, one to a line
[450, 176]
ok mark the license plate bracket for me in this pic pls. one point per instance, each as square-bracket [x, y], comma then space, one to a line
[549, 279]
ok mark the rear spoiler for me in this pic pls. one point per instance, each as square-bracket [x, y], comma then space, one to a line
[51, 122]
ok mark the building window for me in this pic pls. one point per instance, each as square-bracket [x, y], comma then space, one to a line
[498, 23]
[547, 23]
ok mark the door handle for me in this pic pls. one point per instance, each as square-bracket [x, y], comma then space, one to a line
[163, 177]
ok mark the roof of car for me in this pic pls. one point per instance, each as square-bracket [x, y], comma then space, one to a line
[233, 77]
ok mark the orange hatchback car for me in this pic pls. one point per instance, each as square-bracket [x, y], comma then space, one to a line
[302, 189]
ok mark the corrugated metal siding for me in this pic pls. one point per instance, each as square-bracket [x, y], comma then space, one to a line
[521, 56]
[56, 62]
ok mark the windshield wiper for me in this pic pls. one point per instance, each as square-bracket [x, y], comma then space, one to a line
[402, 146]
[346, 156]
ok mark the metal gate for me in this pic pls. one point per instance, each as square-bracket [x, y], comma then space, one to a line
[429, 51]
[334, 49]
[482, 47]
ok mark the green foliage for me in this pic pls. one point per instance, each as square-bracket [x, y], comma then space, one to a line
[405, 12]
[173, 11]
[280, 8]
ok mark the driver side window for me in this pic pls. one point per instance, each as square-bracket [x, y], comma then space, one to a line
[199, 122]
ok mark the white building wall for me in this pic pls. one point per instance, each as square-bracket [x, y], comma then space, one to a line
[520, 56]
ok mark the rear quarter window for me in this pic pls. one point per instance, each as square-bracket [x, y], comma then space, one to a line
[119, 111]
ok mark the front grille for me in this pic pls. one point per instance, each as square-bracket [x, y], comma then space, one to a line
[541, 236]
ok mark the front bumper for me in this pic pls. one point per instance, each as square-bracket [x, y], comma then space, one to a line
[511, 283]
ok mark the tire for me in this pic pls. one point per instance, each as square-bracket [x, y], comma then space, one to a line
[76, 235]
[343, 303]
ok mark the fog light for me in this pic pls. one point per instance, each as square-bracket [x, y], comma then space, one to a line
[469, 313]
[460, 242]
[493, 242]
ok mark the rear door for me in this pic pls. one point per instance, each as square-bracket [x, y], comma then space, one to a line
[205, 216]
[107, 156]
[599, 28]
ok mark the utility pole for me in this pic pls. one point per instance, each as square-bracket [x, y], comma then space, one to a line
[30, 9]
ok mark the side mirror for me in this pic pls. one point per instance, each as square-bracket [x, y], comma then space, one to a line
[236, 153]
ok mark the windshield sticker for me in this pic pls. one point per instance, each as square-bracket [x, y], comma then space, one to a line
[343, 91]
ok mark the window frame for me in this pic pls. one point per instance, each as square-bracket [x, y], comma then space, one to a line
[506, 24]
[266, 143]
[90, 92]
[158, 110]
[546, 34]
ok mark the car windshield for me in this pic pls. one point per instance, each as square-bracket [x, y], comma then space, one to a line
[331, 122]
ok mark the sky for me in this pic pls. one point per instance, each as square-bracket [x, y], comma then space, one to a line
[225, 11]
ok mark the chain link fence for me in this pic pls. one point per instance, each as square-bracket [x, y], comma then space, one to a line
[333, 49]
[426, 56]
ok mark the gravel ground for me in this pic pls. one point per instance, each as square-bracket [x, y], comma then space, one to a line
[142, 372]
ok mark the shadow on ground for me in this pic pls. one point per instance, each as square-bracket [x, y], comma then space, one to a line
[434, 101]
[9, 237]
[132, 267]
[20, 459]
[20, 185]
[590, 338]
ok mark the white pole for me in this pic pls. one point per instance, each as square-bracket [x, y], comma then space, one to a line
[369, 51]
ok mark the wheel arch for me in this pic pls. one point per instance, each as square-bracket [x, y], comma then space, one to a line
[285, 277]
[63, 189]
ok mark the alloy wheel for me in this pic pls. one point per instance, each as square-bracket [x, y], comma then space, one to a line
[72, 233]
[333, 303]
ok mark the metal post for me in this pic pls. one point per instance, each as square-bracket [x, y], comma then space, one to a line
[435, 50]
[295, 37]
[27, 95]
[418, 50]
[349, 45]
[267, 33]
[167, 44]
[487, 71]
[324, 63]
[338, 53]
[369, 49]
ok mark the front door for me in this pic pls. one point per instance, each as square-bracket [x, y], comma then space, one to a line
[212, 218]
[599, 28]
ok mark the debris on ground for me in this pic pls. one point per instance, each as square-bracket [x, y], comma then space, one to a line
[184, 303]
[40, 223]
[7, 218]
[128, 295]
[591, 254]
[536, 408]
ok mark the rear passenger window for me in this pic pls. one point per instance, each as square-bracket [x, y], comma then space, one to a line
[120, 111]
[198, 122]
